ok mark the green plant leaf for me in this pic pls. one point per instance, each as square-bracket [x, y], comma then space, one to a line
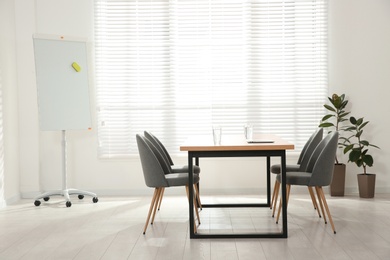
[354, 155]
[368, 160]
[326, 117]
[330, 108]
[348, 148]
[352, 120]
[359, 162]
[350, 128]
[363, 125]
[344, 104]
[337, 103]
[327, 124]
[342, 115]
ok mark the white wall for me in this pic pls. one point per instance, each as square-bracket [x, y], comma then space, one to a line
[359, 67]
[10, 100]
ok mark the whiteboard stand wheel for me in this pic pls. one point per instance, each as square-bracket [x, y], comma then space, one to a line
[81, 197]
[37, 203]
[95, 199]
[46, 198]
[68, 204]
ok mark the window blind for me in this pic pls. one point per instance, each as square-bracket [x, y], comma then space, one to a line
[175, 68]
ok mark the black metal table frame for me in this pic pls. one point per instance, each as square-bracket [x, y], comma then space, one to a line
[240, 153]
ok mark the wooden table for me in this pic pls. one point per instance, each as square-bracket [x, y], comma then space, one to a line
[236, 146]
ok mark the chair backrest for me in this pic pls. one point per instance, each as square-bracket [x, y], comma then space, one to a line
[159, 151]
[310, 145]
[322, 161]
[159, 145]
[152, 169]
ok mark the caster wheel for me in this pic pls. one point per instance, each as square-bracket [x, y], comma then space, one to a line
[68, 204]
[95, 199]
[81, 197]
[37, 203]
[46, 198]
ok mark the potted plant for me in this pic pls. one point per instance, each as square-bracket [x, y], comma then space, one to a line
[333, 120]
[358, 154]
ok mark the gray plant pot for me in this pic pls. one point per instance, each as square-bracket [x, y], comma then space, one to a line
[337, 186]
[366, 183]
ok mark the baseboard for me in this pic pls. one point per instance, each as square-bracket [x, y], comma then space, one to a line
[12, 200]
[2, 204]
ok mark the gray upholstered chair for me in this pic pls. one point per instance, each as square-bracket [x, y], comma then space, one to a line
[318, 174]
[173, 168]
[157, 175]
[301, 165]
[164, 152]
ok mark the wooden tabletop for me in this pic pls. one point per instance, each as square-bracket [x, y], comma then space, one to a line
[235, 143]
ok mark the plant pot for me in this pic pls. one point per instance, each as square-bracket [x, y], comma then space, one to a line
[366, 183]
[337, 186]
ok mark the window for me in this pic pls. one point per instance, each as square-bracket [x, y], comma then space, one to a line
[175, 68]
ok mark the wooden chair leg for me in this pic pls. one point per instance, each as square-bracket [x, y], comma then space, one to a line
[321, 192]
[321, 204]
[196, 189]
[197, 207]
[273, 195]
[288, 188]
[161, 197]
[159, 194]
[314, 200]
[152, 203]
[276, 191]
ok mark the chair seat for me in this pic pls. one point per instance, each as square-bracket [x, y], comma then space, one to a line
[184, 168]
[289, 168]
[179, 179]
[297, 178]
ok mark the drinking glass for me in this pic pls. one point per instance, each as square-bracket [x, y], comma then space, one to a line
[217, 132]
[248, 131]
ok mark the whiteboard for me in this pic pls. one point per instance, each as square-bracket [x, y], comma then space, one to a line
[62, 83]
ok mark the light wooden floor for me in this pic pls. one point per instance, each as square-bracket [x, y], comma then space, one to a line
[112, 229]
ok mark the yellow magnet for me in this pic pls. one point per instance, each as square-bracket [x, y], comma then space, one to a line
[76, 66]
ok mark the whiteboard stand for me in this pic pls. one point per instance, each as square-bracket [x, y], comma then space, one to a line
[61, 66]
[65, 192]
